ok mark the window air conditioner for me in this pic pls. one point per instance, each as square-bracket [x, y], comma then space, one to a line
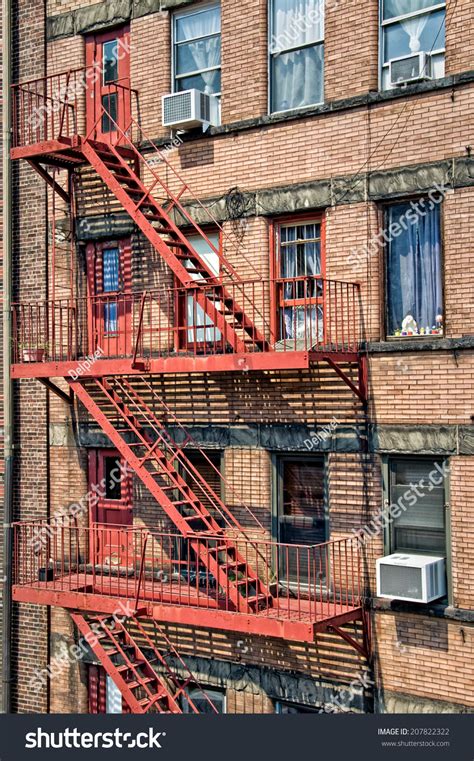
[410, 68]
[415, 578]
[190, 109]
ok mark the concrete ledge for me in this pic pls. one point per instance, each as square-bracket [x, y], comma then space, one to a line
[322, 193]
[443, 441]
[398, 703]
[420, 344]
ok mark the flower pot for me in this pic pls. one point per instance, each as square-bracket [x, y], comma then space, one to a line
[46, 574]
[33, 355]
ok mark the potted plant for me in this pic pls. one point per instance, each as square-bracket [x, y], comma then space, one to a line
[31, 353]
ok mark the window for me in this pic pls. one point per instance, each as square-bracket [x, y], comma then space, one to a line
[298, 283]
[409, 27]
[301, 514]
[197, 50]
[414, 269]
[418, 487]
[111, 284]
[110, 61]
[113, 477]
[296, 53]
[202, 699]
[288, 708]
[200, 328]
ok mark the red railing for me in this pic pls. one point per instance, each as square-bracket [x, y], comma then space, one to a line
[306, 583]
[56, 107]
[164, 322]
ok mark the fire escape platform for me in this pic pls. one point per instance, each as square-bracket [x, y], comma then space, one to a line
[290, 619]
[294, 360]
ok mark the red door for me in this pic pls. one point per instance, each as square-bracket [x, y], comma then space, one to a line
[111, 509]
[108, 102]
[110, 299]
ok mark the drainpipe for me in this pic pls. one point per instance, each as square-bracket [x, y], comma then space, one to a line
[7, 384]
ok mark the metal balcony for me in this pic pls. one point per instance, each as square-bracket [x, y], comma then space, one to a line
[108, 568]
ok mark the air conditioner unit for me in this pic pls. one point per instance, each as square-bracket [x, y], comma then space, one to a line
[411, 68]
[190, 109]
[415, 578]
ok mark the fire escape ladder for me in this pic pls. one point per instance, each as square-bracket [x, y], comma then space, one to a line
[154, 461]
[131, 668]
[216, 300]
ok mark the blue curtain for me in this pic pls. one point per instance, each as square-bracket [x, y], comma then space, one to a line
[414, 268]
[111, 284]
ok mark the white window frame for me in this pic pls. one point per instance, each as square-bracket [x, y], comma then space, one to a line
[437, 6]
[289, 49]
[175, 43]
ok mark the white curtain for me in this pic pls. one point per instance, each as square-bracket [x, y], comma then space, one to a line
[201, 53]
[297, 22]
[297, 76]
[412, 27]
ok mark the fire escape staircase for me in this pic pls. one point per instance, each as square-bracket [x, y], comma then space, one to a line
[119, 169]
[132, 661]
[156, 459]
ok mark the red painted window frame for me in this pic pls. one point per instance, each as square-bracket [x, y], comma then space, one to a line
[180, 307]
[275, 226]
[119, 343]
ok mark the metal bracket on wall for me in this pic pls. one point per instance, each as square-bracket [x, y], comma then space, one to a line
[68, 398]
[361, 389]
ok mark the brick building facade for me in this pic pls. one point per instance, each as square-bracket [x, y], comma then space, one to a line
[309, 425]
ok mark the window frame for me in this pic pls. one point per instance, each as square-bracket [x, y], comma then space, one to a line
[181, 342]
[387, 460]
[280, 704]
[278, 461]
[384, 23]
[383, 210]
[271, 55]
[174, 43]
[317, 217]
[211, 692]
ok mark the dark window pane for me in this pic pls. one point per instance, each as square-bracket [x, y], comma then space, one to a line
[418, 488]
[210, 82]
[109, 115]
[110, 61]
[112, 475]
[398, 42]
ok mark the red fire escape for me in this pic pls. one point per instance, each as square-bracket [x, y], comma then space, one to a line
[207, 569]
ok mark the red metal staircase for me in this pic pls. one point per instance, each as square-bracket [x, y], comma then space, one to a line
[156, 458]
[132, 670]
